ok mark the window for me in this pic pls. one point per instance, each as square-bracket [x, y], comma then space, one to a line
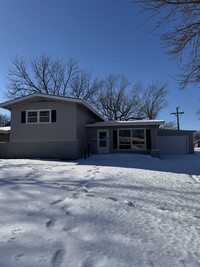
[131, 139]
[32, 117]
[138, 139]
[102, 139]
[38, 116]
[124, 139]
[44, 116]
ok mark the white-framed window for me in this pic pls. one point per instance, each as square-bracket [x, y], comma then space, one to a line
[131, 139]
[38, 116]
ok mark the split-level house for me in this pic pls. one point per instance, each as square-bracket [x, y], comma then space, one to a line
[51, 126]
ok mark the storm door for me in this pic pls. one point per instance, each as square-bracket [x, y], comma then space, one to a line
[103, 141]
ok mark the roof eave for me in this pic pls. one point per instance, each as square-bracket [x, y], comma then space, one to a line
[8, 104]
[127, 124]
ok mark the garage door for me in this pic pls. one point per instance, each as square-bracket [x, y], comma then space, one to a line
[173, 144]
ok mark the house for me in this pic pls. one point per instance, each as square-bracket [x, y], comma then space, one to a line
[50, 126]
[5, 134]
[197, 143]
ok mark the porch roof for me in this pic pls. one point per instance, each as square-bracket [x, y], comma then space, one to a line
[126, 123]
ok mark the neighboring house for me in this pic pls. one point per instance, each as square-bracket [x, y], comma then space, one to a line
[49, 126]
[5, 134]
[197, 143]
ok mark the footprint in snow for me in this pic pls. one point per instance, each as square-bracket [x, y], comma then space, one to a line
[90, 195]
[113, 198]
[84, 189]
[63, 209]
[131, 203]
[88, 263]
[64, 187]
[28, 175]
[57, 258]
[56, 202]
[18, 256]
[50, 223]
[15, 179]
[163, 208]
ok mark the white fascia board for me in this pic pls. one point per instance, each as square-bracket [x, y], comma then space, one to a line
[8, 104]
[126, 123]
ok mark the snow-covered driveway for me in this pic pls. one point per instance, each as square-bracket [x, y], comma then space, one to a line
[117, 210]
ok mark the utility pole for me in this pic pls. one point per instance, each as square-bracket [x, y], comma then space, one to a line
[177, 114]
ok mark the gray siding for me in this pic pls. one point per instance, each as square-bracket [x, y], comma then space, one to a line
[48, 150]
[64, 139]
[83, 118]
[64, 129]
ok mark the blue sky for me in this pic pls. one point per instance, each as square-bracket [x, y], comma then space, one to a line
[105, 36]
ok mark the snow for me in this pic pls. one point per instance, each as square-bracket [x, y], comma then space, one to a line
[5, 129]
[120, 210]
[126, 123]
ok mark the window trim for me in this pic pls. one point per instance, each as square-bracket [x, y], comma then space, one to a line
[131, 149]
[38, 116]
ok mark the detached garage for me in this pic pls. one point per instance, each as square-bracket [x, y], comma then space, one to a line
[175, 142]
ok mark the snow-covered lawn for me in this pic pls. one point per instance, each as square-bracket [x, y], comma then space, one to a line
[117, 210]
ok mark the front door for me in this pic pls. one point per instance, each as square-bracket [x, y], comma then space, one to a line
[103, 141]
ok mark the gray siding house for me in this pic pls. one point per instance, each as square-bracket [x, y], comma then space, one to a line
[49, 126]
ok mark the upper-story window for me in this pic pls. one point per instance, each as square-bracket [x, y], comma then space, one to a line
[32, 117]
[44, 116]
[38, 116]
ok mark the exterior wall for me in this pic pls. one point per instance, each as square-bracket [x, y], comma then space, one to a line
[189, 134]
[50, 150]
[83, 118]
[154, 137]
[64, 139]
[64, 129]
[92, 138]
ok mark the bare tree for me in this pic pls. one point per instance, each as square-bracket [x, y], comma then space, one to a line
[43, 75]
[114, 97]
[84, 85]
[153, 99]
[197, 135]
[4, 120]
[171, 125]
[198, 114]
[51, 76]
[180, 21]
[116, 100]
[197, 139]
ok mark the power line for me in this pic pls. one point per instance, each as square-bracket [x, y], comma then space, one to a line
[177, 114]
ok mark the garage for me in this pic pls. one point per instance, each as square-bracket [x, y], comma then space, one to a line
[173, 144]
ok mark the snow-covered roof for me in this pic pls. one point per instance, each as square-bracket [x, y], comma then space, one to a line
[8, 104]
[5, 129]
[127, 123]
